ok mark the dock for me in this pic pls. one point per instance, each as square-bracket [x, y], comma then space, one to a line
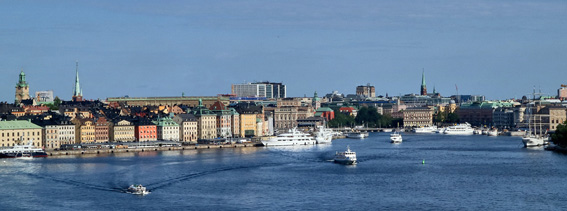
[145, 149]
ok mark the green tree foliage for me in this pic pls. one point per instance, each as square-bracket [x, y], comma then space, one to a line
[560, 135]
[369, 116]
[452, 118]
[341, 120]
[55, 104]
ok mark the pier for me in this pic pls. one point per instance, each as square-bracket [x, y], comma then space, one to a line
[145, 149]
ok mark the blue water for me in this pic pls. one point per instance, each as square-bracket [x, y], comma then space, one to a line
[460, 173]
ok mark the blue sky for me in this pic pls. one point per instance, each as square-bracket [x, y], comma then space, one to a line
[500, 49]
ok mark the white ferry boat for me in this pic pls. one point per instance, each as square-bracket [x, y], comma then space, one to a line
[293, 137]
[138, 190]
[460, 129]
[347, 157]
[23, 150]
[357, 135]
[429, 129]
[324, 135]
[396, 137]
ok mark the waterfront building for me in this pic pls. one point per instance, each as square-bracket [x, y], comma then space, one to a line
[187, 127]
[20, 132]
[102, 130]
[145, 130]
[503, 117]
[77, 91]
[480, 113]
[122, 130]
[206, 122]
[223, 119]
[365, 91]
[418, 117]
[248, 125]
[84, 130]
[551, 116]
[57, 130]
[250, 114]
[235, 122]
[167, 129]
[22, 89]
[288, 111]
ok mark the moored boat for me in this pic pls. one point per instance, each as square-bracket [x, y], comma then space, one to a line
[22, 150]
[293, 137]
[347, 157]
[492, 132]
[429, 129]
[357, 135]
[323, 135]
[459, 129]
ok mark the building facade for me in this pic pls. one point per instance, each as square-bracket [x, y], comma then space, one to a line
[365, 91]
[102, 130]
[167, 129]
[22, 89]
[418, 117]
[206, 122]
[223, 119]
[188, 132]
[84, 131]
[20, 132]
[122, 131]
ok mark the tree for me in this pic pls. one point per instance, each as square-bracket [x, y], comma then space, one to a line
[452, 118]
[560, 136]
[341, 119]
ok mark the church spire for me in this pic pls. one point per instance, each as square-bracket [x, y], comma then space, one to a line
[423, 86]
[77, 92]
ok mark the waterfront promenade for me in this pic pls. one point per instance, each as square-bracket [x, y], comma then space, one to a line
[145, 149]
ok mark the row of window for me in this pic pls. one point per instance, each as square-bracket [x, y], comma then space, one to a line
[18, 134]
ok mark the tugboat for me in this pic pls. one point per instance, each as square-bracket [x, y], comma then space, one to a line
[138, 190]
[347, 157]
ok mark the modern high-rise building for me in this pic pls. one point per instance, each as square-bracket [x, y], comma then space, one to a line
[22, 89]
[44, 96]
[562, 92]
[260, 89]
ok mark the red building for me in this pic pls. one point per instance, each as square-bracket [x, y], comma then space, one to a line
[145, 131]
[326, 113]
[101, 130]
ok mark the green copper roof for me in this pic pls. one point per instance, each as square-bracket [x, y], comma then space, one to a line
[22, 80]
[423, 78]
[165, 122]
[324, 109]
[77, 90]
[17, 124]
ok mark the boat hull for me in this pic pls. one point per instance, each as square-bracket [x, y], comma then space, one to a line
[17, 155]
[345, 162]
[533, 141]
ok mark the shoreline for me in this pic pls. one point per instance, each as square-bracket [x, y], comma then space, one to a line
[56, 153]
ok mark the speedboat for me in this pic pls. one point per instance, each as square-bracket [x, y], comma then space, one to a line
[138, 190]
[396, 137]
[293, 137]
[347, 157]
[324, 135]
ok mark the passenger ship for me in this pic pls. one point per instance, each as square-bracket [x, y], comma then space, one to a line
[24, 150]
[460, 129]
[293, 137]
[429, 129]
[324, 135]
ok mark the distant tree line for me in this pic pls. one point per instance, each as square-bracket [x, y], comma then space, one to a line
[367, 116]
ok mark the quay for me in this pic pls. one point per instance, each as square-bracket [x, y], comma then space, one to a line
[145, 149]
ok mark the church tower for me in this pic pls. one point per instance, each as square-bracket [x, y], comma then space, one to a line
[22, 89]
[77, 92]
[316, 101]
[423, 87]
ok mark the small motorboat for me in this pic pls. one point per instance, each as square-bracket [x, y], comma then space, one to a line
[138, 190]
[396, 137]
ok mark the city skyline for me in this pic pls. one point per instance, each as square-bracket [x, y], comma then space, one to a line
[497, 49]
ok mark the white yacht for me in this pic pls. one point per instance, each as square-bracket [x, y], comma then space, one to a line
[429, 129]
[293, 137]
[357, 134]
[396, 137]
[22, 150]
[460, 129]
[138, 190]
[323, 135]
[347, 157]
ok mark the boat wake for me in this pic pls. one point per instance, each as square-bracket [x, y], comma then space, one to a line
[78, 183]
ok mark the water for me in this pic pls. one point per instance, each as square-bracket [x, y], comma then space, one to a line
[460, 173]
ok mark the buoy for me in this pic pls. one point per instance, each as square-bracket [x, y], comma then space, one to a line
[423, 162]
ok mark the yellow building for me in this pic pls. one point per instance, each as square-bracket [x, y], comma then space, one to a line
[206, 122]
[418, 117]
[188, 125]
[20, 132]
[84, 131]
[122, 130]
[248, 125]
